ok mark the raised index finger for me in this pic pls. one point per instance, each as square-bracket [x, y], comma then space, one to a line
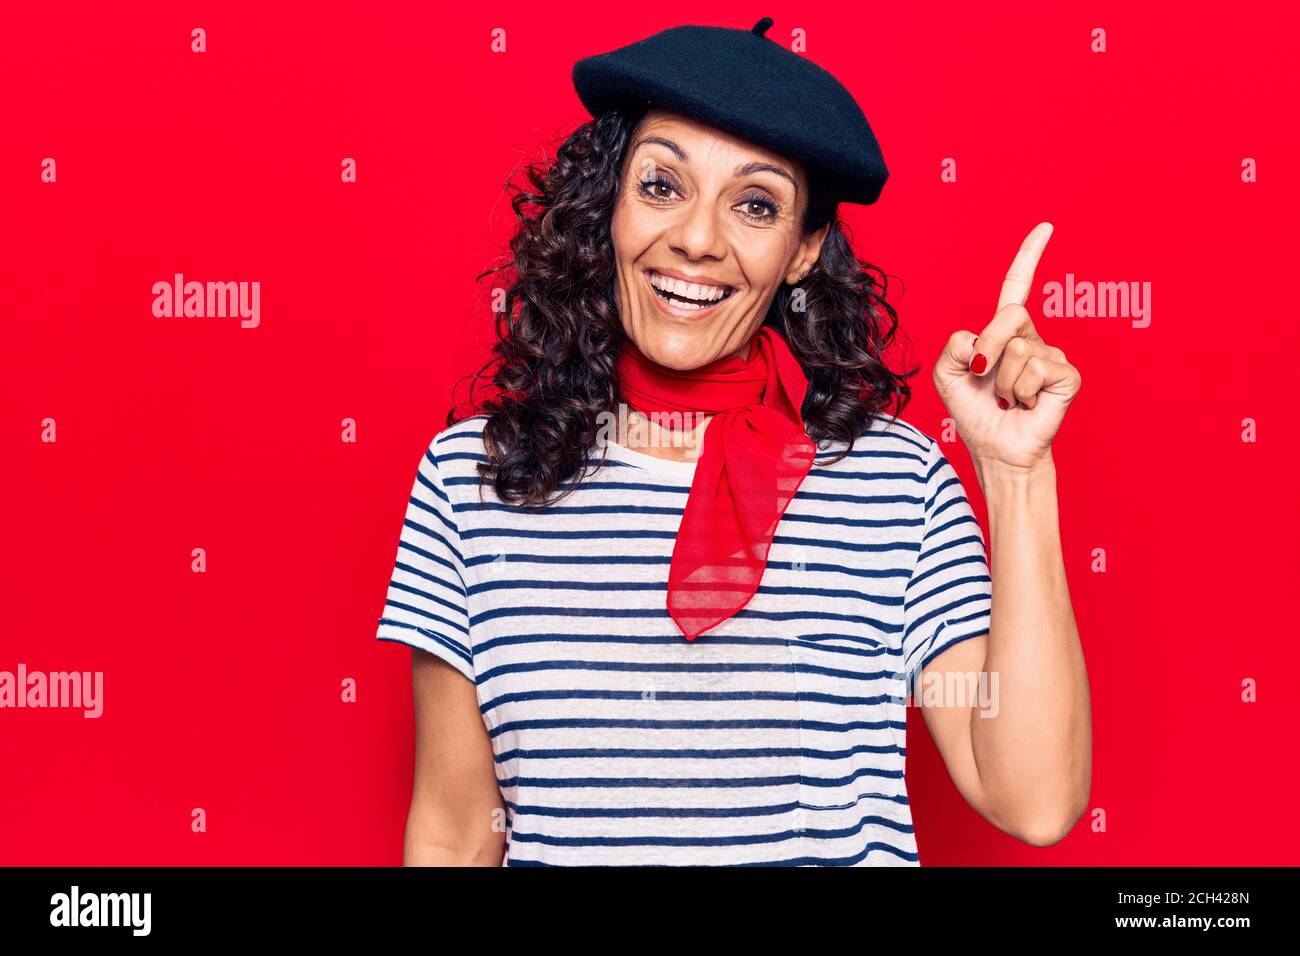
[1015, 287]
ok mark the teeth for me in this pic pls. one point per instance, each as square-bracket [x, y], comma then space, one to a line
[688, 290]
[688, 306]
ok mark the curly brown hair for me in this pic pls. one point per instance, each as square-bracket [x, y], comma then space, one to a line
[558, 332]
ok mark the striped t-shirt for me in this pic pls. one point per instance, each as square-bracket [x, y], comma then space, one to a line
[775, 738]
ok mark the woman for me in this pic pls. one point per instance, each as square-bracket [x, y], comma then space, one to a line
[675, 581]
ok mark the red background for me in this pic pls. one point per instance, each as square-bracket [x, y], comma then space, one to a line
[222, 690]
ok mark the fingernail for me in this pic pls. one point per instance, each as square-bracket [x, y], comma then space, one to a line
[977, 363]
[1002, 402]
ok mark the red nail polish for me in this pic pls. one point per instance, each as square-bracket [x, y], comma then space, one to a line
[977, 363]
[1002, 402]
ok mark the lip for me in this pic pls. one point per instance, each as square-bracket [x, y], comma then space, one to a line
[702, 280]
[675, 311]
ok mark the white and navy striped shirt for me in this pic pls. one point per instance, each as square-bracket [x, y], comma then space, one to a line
[775, 738]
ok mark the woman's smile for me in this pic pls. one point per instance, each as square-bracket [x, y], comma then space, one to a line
[687, 300]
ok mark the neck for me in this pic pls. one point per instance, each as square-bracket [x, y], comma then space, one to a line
[677, 432]
[649, 437]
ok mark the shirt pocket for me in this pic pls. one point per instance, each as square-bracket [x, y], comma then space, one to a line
[851, 721]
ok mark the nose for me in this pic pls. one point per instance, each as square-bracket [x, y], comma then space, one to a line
[697, 233]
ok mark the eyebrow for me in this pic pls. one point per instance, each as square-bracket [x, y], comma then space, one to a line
[742, 170]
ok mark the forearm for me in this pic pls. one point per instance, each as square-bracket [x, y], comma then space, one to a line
[1034, 755]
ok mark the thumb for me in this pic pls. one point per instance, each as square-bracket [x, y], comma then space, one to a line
[955, 360]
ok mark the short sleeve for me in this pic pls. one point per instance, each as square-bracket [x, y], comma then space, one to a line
[949, 596]
[427, 605]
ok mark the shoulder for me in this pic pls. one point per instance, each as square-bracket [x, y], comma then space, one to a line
[896, 441]
[942, 487]
[458, 444]
[900, 432]
[449, 463]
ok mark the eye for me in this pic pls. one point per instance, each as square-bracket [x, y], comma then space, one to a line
[771, 209]
[648, 186]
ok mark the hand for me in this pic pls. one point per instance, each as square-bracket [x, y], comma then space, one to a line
[1032, 377]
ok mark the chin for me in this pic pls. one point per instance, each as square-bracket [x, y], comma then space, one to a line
[677, 348]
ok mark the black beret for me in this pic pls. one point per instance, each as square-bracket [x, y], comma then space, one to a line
[747, 84]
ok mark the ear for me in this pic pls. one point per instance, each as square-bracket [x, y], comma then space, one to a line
[810, 248]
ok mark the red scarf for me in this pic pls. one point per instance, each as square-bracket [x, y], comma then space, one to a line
[756, 454]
